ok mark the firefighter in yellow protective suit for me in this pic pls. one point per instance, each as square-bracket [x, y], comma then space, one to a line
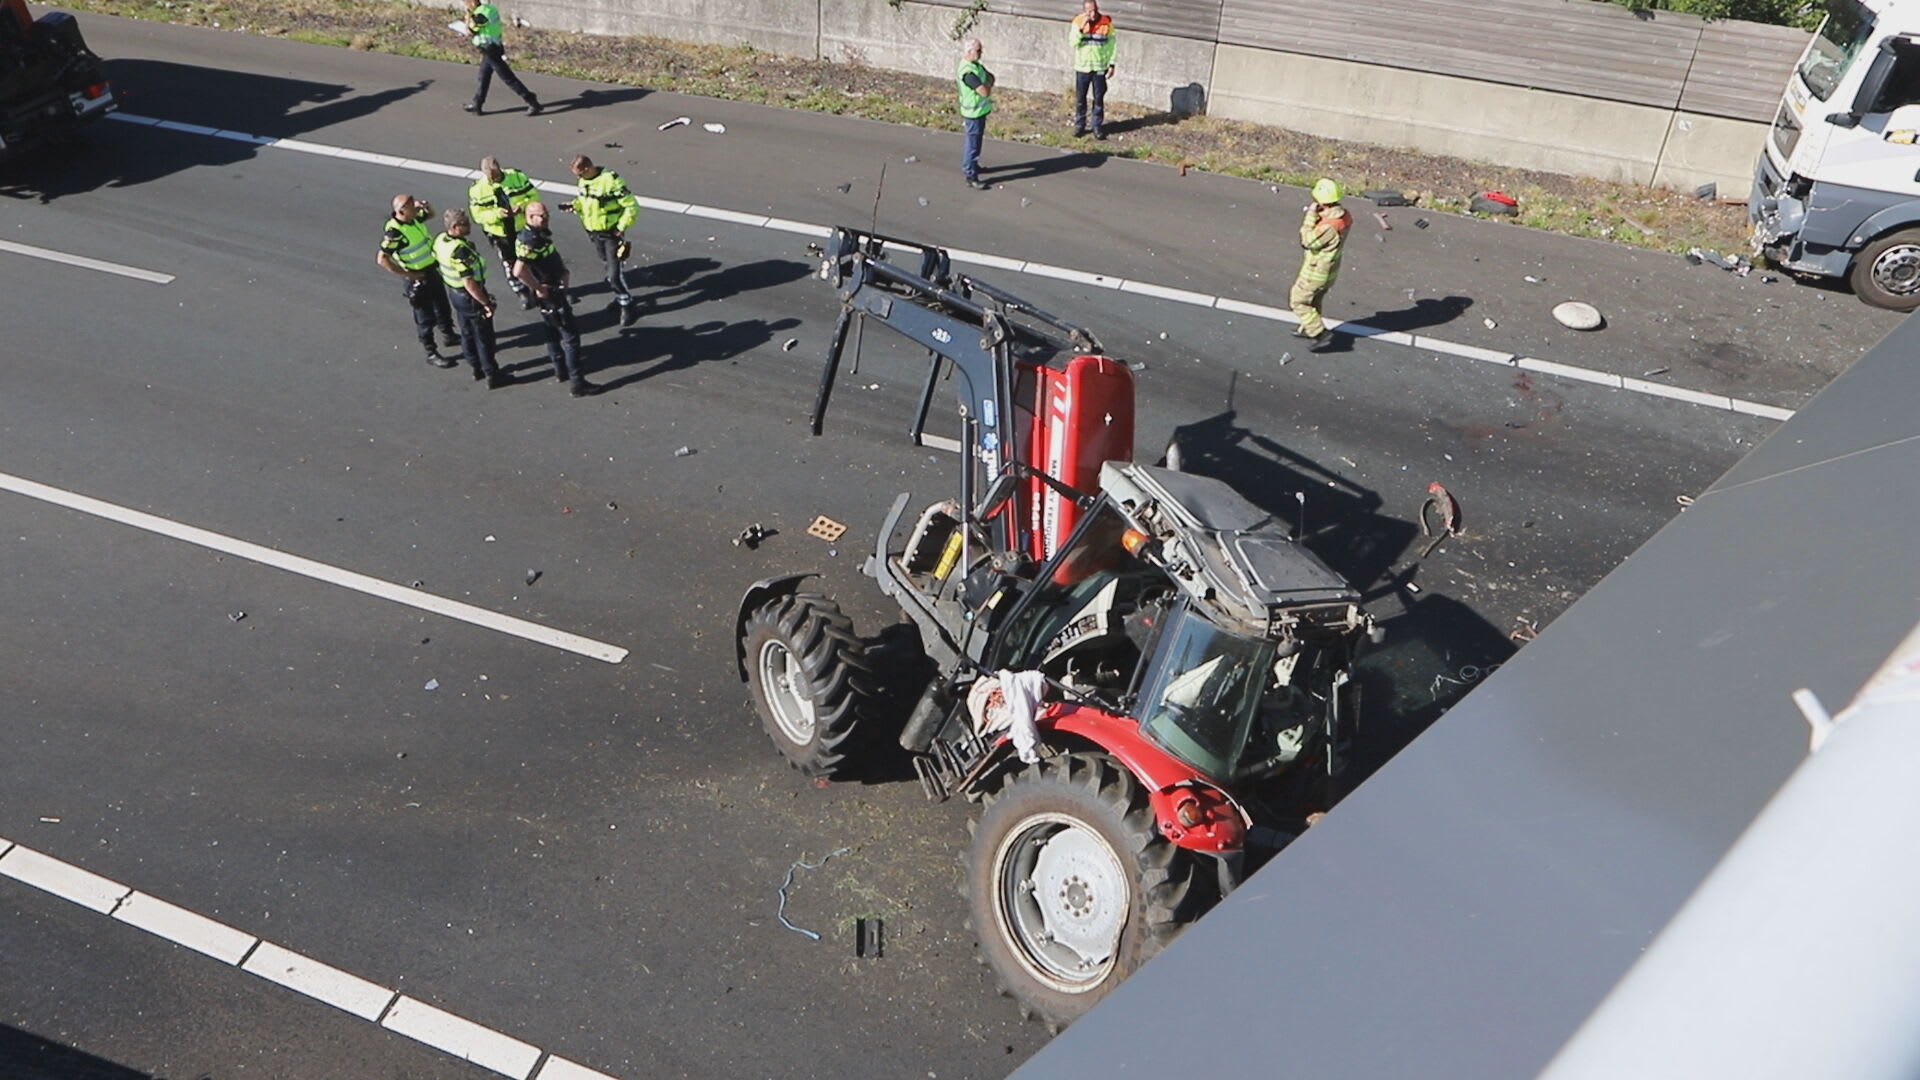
[1323, 233]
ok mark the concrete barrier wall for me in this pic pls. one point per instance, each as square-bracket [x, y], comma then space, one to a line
[1346, 99]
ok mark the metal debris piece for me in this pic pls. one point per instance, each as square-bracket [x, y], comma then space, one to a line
[751, 536]
[432, 684]
[1286, 358]
[1382, 219]
[1527, 631]
[911, 158]
[717, 129]
[533, 576]
[1490, 323]
[236, 616]
[613, 146]
[869, 938]
[489, 539]
[685, 451]
[825, 528]
[1531, 280]
[781, 912]
[1655, 371]
[1420, 223]
[846, 187]
[787, 345]
[676, 122]
[922, 200]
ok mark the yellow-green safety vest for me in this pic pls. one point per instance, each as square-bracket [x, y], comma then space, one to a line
[485, 24]
[973, 103]
[409, 244]
[1092, 42]
[459, 260]
[605, 204]
[489, 203]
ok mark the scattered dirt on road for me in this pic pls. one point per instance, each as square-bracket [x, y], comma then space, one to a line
[1625, 213]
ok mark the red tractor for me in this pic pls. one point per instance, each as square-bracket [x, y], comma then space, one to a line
[50, 82]
[1144, 686]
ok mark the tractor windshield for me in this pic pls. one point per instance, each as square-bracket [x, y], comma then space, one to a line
[1203, 692]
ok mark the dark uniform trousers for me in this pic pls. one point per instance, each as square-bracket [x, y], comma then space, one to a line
[494, 57]
[503, 247]
[563, 337]
[428, 298]
[476, 332]
[607, 246]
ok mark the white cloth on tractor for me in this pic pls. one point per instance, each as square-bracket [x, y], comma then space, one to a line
[1010, 701]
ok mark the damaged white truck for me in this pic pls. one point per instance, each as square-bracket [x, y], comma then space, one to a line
[1837, 189]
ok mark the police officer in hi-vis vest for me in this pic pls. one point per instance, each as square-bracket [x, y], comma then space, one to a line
[483, 21]
[464, 273]
[538, 263]
[406, 249]
[606, 209]
[497, 202]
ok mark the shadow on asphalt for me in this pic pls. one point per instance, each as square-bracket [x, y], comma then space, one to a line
[1425, 312]
[1046, 166]
[113, 154]
[25, 1056]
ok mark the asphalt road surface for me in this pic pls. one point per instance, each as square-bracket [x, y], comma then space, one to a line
[580, 857]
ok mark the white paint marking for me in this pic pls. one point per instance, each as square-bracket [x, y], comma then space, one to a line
[85, 263]
[387, 160]
[1678, 393]
[295, 564]
[1259, 311]
[1180, 296]
[801, 227]
[183, 927]
[1078, 277]
[940, 442]
[555, 187]
[981, 258]
[438, 169]
[1469, 352]
[558, 1068]
[6, 845]
[1567, 371]
[143, 121]
[330, 985]
[68, 882]
[735, 216]
[462, 1038]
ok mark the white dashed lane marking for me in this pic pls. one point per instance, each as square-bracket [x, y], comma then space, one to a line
[1420, 342]
[85, 263]
[319, 571]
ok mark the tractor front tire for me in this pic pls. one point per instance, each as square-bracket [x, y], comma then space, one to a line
[811, 682]
[1071, 886]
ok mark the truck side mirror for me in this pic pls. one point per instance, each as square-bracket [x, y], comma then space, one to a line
[1867, 98]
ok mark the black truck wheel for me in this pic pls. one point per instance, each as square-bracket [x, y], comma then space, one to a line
[811, 681]
[1886, 273]
[1072, 887]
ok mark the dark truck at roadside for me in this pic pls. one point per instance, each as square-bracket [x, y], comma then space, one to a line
[50, 82]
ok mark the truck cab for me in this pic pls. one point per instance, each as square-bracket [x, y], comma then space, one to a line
[1837, 188]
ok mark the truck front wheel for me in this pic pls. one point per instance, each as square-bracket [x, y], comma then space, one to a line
[1886, 273]
[1072, 887]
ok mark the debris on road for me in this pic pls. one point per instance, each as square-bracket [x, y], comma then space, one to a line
[787, 345]
[1439, 501]
[676, 122]
[1490, 323]
[489, 539]
[846, 187]
[717, 129]
[1421, 223]
[532, 576]
[432, 684]
[910, 159]
[685, 451]
[50, 821]
[1286, 358]
[1531, 280]
[1738, 265]
[1382, 219]
[1386, 198]
[236, 616]
[1707, 192]
[751, 536]
[1494, 202]
[869, 938]
[826, 529]
[781, 911]
[1655, 371]
[1578, 315]
[613, 146]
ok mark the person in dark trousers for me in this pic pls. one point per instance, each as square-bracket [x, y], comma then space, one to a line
[483, 21]
[1091, 37]
[537, 262]
[495, 201]
[976, 101]
[607, 209]
[406, 249]
[464, 273]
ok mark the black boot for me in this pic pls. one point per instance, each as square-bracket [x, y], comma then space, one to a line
[629, 313]
[497, 379]
[472, 107]
[434, 358]
[583, 388]
[533, 107]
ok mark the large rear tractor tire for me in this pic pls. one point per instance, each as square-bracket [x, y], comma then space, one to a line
[1072, 887]
[811, 682]
[1886, 273]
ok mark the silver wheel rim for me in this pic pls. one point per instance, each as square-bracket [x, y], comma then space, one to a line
[1062, 900]
[781, 678]
[1897, 270]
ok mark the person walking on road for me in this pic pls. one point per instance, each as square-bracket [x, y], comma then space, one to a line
[606, 209]
[976, 101]
[483, 21]
[1091, 37]
[464, 273]
[1323, 232]
[496, 202]
[537, 263]
[406, 249]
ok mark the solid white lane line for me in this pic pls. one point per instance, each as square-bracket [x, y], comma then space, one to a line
[68, 882]
[1567, 371]
[321, 982]
[981, 258]
[801, 227]
[85, 263]
[558, 1068]
[183, 927]
[1222, 303]
[332, 575]
[462, 1038]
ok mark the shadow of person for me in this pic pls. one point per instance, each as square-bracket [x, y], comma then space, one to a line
[29, 1057]
[672, 272]
[1138, 123]
[660, 350]
[721, 284]
[594, 99]
[1425, 312]
[1047, 166]
[1341, 522]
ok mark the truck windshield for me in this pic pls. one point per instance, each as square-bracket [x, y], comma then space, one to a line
[1847, 27]
[1204, 690]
